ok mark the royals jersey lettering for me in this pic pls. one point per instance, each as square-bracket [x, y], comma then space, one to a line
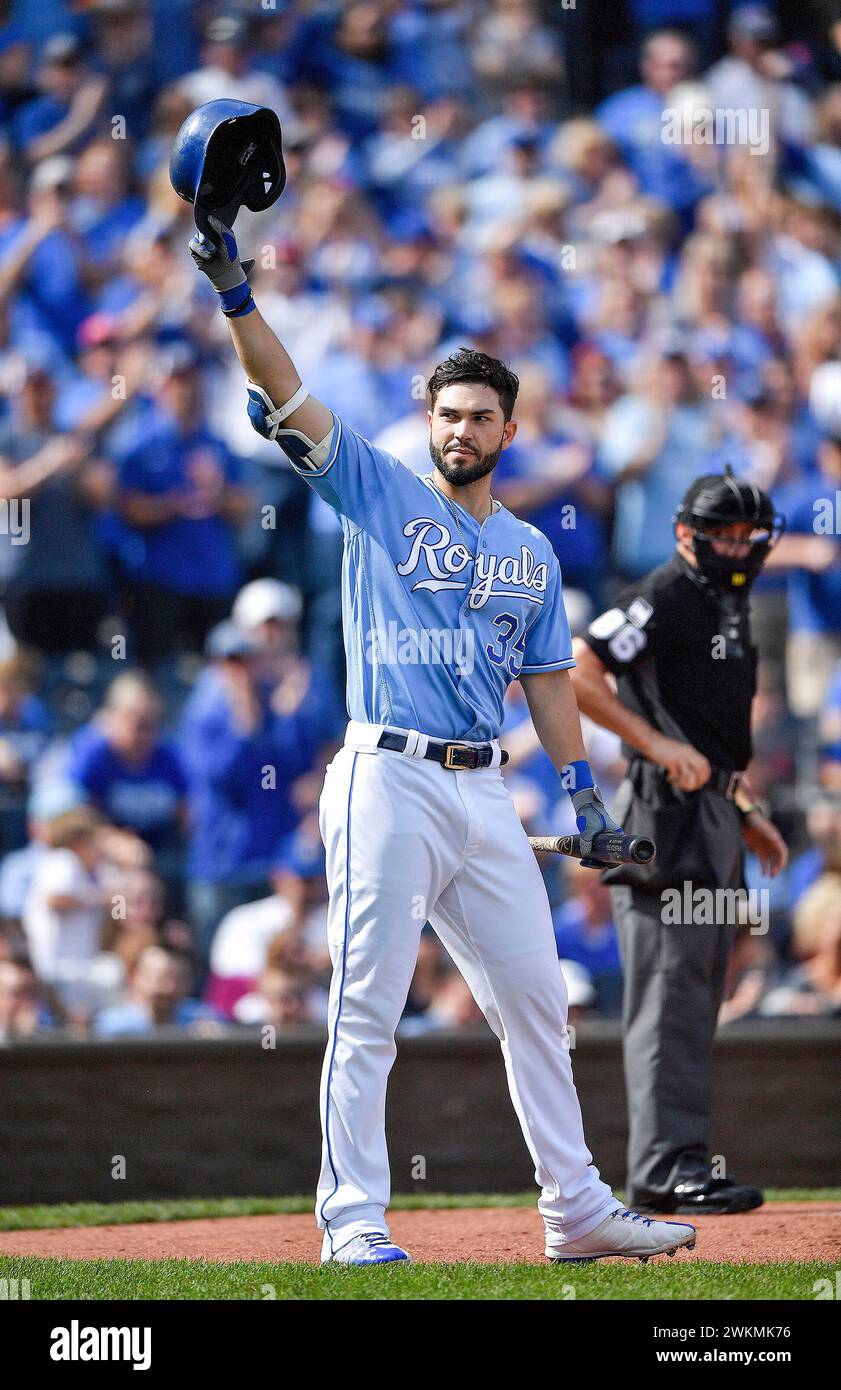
[440, 613]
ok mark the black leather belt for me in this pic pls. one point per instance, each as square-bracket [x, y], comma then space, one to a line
[648, 774]
[724, 782]
[457, 757]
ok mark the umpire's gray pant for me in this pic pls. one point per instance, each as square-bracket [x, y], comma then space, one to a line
[674, 980]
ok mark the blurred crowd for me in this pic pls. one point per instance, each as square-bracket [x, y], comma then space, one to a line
[482, 172]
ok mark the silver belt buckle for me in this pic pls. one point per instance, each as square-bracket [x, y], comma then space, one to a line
[732, 786]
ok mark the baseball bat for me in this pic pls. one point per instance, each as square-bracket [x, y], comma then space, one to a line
[607, 846]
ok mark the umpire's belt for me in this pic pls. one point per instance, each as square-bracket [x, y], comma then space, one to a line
[456, 754]
[643, 773]
[724, 782]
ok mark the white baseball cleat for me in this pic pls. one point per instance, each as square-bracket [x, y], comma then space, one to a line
[370, 1248]
[628, 1235]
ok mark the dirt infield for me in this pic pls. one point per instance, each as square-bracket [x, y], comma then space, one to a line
[781, 1231]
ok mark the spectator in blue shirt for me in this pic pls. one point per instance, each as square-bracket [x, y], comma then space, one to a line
[802, 256]
[655, 442]
[347, 51]
[633, 120]
[87, 387]
[42, 263]
[821, 854]
[24, 719]
[52, 560]
[548, 478]
[180, 490]
[584, 932]
[821, 165]
[175, 41]
[104, 211]
[122, 41]
[811, 552]
[23, 1006]
[228, 70]
[167, 114]
[150, 292]
[428, 42]
[67, 112]
[756, 336]
[524, 110]
[251, 746]
[87, 400]
[132, 774]
[39, 19]
[829, 733]
[24, 731]
[157, 998]
[401, 169]
[352, 375]
[614, 319]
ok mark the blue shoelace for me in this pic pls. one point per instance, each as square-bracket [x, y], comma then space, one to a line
[635, 1216]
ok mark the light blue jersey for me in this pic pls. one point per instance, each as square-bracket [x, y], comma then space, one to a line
[440, 613]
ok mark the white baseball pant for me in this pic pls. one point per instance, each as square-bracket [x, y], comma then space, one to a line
[409, 841]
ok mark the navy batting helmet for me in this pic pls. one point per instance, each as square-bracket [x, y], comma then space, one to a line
[228, 154]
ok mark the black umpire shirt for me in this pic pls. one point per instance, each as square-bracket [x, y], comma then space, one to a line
[683, 660]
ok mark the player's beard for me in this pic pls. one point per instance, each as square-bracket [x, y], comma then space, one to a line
[462, 474]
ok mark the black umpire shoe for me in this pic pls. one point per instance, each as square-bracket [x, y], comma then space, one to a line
[702, 1194]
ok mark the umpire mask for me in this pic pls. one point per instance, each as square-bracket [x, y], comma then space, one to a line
[720, 499]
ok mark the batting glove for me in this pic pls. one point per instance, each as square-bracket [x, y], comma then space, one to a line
[219, 261]
[591, 815]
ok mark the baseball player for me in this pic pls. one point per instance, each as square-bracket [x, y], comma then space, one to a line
[447, 599]
[678, 644]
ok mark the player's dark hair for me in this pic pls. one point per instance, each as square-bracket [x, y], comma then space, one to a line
[469, 365]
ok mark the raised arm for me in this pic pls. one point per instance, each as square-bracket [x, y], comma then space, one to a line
[265, 361]
[348, 472]
[84, 110]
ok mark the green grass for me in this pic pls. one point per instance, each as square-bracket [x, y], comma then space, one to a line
[200, 1279]
[38, 1218]
[197, 1279]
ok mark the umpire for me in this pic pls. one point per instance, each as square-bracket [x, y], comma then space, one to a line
[678, 644]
